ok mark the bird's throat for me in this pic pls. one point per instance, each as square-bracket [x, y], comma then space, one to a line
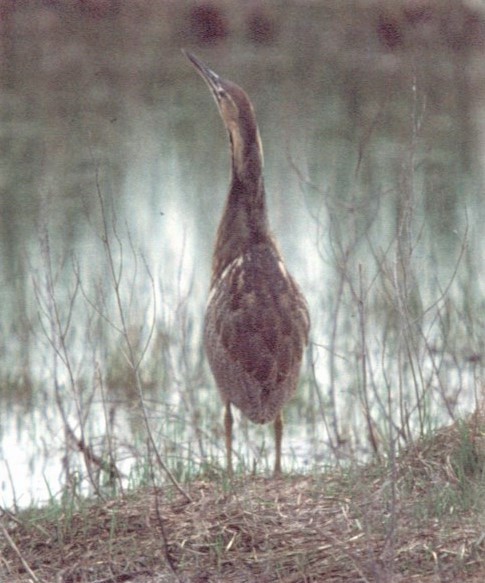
[247, 157]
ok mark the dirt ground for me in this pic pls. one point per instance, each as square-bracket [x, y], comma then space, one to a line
[421, 519]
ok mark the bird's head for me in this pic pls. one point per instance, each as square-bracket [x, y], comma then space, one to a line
[237, 114]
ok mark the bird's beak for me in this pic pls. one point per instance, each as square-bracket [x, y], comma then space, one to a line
[212, 79]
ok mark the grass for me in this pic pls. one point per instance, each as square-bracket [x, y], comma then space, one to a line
[395, 357]
[420, 518]
[392, 370]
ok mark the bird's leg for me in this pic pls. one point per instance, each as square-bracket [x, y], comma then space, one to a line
[228, 428]
[278, 435]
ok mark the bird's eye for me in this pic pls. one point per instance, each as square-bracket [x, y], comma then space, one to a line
[221, 92]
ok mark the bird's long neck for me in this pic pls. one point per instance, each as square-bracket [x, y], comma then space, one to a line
[244, 221]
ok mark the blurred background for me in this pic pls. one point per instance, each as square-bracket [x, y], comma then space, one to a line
[114, 169]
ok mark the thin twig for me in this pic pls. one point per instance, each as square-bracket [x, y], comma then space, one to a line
[16, 550]
[133, 361]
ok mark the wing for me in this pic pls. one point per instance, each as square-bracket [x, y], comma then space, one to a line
[260, 316]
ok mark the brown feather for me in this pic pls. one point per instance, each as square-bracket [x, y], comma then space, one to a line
[256, 323]
[256, 329]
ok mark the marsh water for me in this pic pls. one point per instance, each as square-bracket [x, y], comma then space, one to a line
[115, 165]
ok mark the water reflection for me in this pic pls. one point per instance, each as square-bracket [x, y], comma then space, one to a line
[374, 192]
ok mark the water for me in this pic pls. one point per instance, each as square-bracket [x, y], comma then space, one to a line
[373, 172]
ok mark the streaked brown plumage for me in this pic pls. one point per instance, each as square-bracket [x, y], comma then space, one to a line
[257, 322]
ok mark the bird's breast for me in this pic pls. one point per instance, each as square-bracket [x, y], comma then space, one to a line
[259, 315]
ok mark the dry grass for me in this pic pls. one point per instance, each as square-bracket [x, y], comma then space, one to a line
[420, 519]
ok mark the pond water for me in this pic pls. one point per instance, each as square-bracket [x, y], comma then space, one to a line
[115, 165]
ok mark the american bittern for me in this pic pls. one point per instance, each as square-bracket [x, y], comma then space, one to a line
[256, 323]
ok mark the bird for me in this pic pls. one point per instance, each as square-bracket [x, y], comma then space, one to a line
[257, 322]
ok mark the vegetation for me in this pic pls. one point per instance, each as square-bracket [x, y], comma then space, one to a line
[419, 518]
[387, 483]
